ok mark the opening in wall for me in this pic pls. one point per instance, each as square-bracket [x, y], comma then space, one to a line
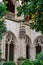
[11, 52]
[38, 49]
[10, 6]
[27, 52]
[6, 51]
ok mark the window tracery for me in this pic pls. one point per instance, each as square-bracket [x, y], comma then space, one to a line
[39, 41]
[9, 49]
[39, 44]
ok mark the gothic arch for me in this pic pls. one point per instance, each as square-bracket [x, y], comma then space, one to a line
[38, 42]
[10, 45]
[28, 43]
[9, 32]
[39, 39]
[28, 40]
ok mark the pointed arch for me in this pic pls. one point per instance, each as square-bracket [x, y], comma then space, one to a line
[38, 42]
[28, 42]
[10, 44]
[14, 37]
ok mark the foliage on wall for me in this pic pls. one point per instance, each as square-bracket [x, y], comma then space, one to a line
[32, 9]
[3, 11]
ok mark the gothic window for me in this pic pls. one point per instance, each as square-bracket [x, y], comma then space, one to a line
[38, 49]
[9, 47]
[39, 43]
[28, 41]
[11, 51]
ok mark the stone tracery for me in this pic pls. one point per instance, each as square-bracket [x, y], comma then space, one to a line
[10, 46]
[38, 42]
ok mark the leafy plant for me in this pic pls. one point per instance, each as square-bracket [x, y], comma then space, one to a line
[9, 63]
[3, 11]
[2, 27]
[37, 62]
[27, 62]
[32, 9]
[40, 56]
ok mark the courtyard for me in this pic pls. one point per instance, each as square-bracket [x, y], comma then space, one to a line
[21, 40]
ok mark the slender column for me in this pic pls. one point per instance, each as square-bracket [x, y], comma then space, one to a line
[15, 53]
[8, 53]
[3, 47]
[42, 48]
[21, 48]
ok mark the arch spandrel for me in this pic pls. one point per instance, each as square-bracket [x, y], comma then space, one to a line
[28, 40]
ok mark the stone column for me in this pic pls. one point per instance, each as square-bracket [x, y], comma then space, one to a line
[32, 53]
[23, 48]
[15, 53]
[8, 53]
[3, 43]
[42, 48]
